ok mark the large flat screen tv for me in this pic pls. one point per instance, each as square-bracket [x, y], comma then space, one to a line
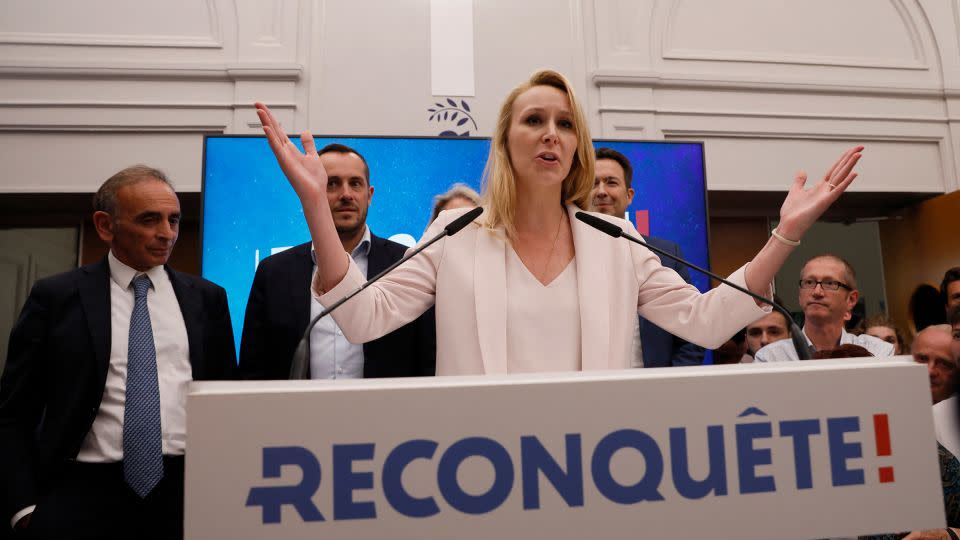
[250, 211]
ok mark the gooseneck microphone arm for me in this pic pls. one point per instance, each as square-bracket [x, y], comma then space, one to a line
[796, 335]
[300, 363]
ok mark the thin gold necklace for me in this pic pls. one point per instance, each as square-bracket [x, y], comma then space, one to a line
[553, 248]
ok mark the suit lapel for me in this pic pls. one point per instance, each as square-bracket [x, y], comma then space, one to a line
[377, 261]
[299, 290]
[94, 287]
[192, 310]
[490, 289]
[593, 262]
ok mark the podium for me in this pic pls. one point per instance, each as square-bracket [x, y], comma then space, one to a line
[795, 450]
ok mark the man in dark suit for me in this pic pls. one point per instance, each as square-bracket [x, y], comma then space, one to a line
[93, 397]
[281, 304]
[612, 194]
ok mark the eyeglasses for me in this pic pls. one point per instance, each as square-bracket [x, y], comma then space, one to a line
[827, 284]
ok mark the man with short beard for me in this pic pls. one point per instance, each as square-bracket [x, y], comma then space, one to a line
[828, 291]
[281, 305]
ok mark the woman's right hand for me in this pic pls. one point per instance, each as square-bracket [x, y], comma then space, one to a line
[306, 174]
[303, 170]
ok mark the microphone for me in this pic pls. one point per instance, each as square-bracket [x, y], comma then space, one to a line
[796, 335]
[298, 368]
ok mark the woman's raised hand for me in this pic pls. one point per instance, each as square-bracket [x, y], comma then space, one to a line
[803, 207]
[306, 174]
[303, 170]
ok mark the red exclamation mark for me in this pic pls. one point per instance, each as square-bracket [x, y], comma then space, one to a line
[643, 222]
[881, 431]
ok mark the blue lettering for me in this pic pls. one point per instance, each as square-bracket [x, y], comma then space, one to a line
[800, 431]
[646, 488]
[393, 490]
[272, 498]
[345, 482]
[841, 451]
[748, 457]
[534, 457]
[716, 479]
[502, 478]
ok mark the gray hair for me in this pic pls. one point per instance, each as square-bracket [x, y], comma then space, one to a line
[456, 191]
[105, 200]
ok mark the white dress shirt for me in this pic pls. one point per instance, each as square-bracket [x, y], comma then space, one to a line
[784, 351]
[331, 355]
[104, 441]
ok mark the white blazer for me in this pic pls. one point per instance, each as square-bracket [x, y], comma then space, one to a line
[465, 277]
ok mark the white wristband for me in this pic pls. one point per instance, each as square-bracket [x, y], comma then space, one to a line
[785, 240]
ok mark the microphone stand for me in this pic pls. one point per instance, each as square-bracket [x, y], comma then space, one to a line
[796, 335]
[300, 363]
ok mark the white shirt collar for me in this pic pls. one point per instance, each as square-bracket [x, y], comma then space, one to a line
[123, 275]
[845, 337]
[362, 248]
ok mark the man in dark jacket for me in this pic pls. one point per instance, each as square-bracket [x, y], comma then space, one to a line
[281, 304]
[93, 397]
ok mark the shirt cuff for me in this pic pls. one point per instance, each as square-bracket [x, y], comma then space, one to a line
[20, 515]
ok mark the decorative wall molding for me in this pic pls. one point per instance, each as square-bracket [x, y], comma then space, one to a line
[785, 59]
[48, 116]
[110, 40]
[137, 105]
[140, 71]
[270, 23]
[116, 128]
[213, 39]
[614, 77]
[674, 133]
[919, 62]
[780, 115]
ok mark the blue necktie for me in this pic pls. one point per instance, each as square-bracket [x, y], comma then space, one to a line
[142, 447]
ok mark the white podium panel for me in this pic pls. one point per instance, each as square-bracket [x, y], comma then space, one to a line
[795, 450]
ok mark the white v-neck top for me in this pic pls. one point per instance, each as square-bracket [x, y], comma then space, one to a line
[543, 321]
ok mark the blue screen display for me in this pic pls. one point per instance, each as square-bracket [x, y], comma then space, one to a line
[250, 211]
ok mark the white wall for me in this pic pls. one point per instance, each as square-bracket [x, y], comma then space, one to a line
[87, 88]
[771, 86]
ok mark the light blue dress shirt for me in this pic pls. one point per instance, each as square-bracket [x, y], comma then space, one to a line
[331, 355]
[784, 351]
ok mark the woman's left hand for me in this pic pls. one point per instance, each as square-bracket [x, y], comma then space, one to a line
[803, 207]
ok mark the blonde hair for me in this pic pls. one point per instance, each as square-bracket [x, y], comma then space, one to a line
[499, 181]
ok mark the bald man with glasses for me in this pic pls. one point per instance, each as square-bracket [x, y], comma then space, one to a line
[828, 291]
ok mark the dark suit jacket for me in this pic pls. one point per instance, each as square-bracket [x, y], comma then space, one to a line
[661, 348]
[278, 311]
[57, 365]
